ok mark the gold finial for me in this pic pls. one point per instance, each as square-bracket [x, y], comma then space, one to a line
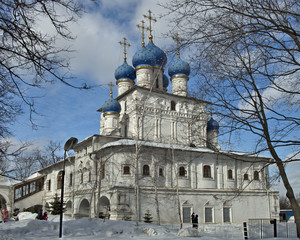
[150, 28]
[178, 40]
[111, 86]
[211, 111]
[143, 31]
[125, 44]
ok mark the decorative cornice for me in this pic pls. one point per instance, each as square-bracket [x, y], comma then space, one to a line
[143, 66]
[125, 80]
[111, 113]
[180, 76]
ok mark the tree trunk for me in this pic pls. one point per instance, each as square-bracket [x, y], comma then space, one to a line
[177, 190]
[155, 189]
[289, 190]
[136, 183]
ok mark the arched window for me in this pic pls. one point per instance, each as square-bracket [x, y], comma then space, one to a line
[256, 175]
[182, 171]
[146, 170]
[206, 171]
[59, 180]
[230, 174]
[173, 105]
[246, 176]
[126, 170]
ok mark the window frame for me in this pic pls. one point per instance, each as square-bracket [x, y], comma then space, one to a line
[256, 175]
[160, 172]
[126, 172]
[173, 106]
[207, 171]
[230, 174]
[146, 170]
[182, 171]
[59, 180]
[212, 215]
[229, 214]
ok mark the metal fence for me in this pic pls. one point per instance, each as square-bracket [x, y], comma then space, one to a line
[266, 228]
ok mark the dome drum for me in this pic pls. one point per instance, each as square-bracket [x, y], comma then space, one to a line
[180, 76]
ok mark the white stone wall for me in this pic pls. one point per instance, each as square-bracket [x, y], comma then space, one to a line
[152, 118]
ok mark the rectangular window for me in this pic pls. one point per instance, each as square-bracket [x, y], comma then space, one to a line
[186, 214]
[25, 190]
[40, 184]
[226, 215]
[161, 172]
[32, 187]
[18, 193]
[208, 215]
[126, 170]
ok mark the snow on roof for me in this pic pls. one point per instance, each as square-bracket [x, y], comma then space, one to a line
[128, 142]
[33, 176]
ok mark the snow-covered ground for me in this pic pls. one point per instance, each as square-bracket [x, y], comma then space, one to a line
[90, 229]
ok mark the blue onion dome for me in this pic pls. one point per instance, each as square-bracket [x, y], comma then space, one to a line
[212, 125]
[111, 106]
[143, 57]
[160, 56]
[125, 71]
[165, 81]
[179, 67]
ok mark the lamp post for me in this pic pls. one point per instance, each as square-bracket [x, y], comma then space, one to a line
[68, 146]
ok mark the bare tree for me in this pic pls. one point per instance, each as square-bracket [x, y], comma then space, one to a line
[49, 154]
[30, 57]
[9, 152]
[246, 54]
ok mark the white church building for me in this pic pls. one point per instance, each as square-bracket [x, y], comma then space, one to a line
[156, 151]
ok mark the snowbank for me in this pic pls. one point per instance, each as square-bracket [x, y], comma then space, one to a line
[28, 228]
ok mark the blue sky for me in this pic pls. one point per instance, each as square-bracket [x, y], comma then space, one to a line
[66, 112]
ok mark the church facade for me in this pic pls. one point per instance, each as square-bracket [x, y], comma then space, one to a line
[158, 152]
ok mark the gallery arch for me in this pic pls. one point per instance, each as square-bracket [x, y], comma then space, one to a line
[69, 208]
[84, 208]
[104, 205]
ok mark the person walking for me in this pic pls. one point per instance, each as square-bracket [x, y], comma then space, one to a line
[45, 216]
[193, 219]
[196, 221]
[5, 215]
[40, 215]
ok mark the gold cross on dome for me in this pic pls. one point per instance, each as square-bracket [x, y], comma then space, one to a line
[125, 44]
[111, 86]
[178, 40]
[142, 26]
[150, 28]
